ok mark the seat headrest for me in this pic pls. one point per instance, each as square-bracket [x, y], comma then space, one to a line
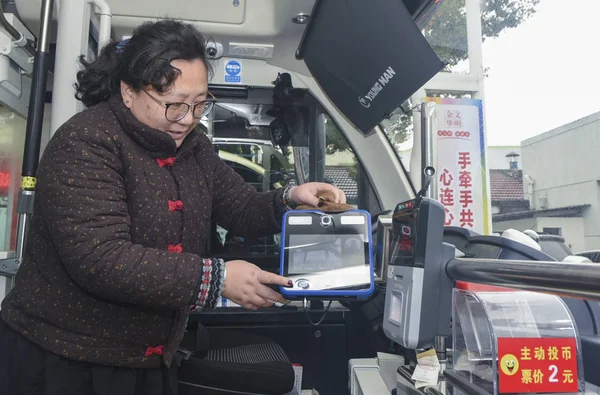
[532, 234]
[520, 237]
[576, 259]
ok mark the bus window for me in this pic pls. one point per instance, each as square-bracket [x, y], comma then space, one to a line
[241, 139]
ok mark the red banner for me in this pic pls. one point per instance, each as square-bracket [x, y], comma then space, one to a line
[537, 365]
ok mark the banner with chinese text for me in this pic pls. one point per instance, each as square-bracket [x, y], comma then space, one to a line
[461, 164]
[538, 365]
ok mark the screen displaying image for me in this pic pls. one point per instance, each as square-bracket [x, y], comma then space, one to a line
[315, 253]
[403, 238]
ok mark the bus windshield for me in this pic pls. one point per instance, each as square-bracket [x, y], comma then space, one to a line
[540, 117]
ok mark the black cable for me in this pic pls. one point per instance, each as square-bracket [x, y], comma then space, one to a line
[322, 318]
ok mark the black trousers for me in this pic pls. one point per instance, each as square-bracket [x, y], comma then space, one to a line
[26, 369]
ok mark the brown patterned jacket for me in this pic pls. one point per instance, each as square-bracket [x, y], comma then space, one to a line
[113, 258]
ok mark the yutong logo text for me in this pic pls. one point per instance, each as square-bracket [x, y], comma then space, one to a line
[385, 78]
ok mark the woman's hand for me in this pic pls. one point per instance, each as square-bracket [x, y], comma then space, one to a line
[307, 194]
[244, 285]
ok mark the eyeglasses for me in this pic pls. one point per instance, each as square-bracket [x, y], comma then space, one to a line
[177, 111]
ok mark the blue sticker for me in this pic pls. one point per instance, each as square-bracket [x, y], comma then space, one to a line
[233, 72]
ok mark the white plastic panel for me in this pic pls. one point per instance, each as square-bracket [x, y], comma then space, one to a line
[216, 11]
[265, 23]
[300, 220]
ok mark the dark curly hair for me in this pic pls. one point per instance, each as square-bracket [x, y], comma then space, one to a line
[144, 59]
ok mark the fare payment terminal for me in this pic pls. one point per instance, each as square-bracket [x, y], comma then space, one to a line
[327, 255]
[418, 291]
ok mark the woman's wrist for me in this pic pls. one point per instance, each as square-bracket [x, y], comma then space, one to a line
[211, 283]
[287, 200]
[223, 277]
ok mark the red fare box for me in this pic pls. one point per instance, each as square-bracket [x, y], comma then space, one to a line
[546, 365]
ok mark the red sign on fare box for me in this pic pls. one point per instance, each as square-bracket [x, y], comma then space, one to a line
[537, 365]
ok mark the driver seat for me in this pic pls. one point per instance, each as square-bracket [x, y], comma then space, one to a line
[226, 362]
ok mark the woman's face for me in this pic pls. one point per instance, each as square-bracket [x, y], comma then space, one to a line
[148, 106]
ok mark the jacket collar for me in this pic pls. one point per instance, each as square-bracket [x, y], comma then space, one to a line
[158, 144]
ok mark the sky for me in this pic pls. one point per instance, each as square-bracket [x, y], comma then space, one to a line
[544, 73]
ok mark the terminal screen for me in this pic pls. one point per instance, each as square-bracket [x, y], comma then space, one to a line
[324, 252]
[404, 235]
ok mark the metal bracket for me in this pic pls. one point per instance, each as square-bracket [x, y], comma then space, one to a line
[17, 49]
[9, 266]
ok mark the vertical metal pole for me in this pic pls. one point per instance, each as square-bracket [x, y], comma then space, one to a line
[428, 153]
[105, 23]
[316, 142]
[416, 160]
[266, 164]
[72, 39]
[429, 160]
[33, 134]
[440, 347]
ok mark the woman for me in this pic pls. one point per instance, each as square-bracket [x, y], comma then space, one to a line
[126, 191]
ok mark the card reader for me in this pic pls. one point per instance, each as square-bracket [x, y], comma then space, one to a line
[327, 255]
[417, 305]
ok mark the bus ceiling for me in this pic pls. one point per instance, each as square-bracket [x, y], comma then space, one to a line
[367, 57]
[259, 22]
